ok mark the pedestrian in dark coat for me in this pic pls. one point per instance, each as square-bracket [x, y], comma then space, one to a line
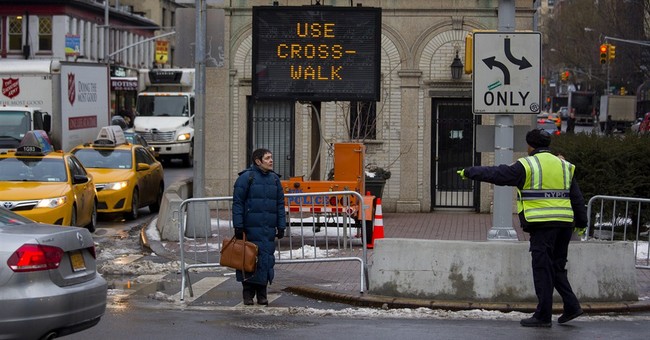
[571, 122]
[258, 212]
[550, 205]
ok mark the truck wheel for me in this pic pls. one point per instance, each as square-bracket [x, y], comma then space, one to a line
[188, 160]
[135, 204]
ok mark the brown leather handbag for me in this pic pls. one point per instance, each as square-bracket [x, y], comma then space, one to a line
[238, 254]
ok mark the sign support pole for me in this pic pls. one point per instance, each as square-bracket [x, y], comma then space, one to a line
[502, 228]
[198, 213]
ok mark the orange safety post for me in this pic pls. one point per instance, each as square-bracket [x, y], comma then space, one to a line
[368, 200]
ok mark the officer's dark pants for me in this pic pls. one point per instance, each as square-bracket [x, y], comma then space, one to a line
[549, 248]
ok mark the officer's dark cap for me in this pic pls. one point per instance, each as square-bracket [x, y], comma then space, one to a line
[538, 138]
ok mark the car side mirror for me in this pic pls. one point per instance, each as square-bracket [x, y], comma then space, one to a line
[47, 123]
[79, 179]
[143, 166]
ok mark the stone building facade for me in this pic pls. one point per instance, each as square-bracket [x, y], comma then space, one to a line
[416, 118]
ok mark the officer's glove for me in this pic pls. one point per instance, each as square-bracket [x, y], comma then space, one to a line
[280, 233]
[461, 173]
[239, 233]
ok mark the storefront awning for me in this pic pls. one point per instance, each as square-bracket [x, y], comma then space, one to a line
[124, 84]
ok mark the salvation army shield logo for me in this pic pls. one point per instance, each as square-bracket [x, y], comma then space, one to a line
[10, 87]
[72, 93]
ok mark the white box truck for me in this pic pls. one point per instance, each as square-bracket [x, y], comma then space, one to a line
[15, 121]
[70, 101]
[165, 112]
[621, 111]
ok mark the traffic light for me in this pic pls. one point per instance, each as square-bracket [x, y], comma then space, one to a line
[469, 55]
[611, 52]
[564, 75]
[604, 53]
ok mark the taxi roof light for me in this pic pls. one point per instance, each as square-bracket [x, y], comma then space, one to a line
[111, 135]
[35, 143]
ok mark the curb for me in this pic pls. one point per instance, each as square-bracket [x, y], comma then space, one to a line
[154, 246]
[380, 301]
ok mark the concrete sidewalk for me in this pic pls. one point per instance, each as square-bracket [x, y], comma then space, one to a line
[339, 281]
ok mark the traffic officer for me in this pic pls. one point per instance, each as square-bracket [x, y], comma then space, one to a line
[550, 205]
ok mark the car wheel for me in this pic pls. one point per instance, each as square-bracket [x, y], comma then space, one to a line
[188, 160]
[73, 217]
[93, 218]
[155, 207]
[135, 204]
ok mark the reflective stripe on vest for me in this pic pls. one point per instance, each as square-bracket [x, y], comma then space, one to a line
[545, 194]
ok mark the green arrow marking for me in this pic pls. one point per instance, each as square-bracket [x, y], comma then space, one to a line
[494, 85]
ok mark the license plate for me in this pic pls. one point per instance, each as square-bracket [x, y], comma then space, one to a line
[77, 260]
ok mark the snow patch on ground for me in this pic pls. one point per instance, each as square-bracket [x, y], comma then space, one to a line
[641, 249]
[143, 267]
[423, 313]
[304, 252]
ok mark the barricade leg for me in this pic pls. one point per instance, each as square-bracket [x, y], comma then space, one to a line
[369, 230]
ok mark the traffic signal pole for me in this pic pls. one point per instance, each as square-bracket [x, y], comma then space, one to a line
[610, 53]
[502, 228]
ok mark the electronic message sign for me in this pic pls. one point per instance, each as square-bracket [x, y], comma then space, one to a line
[316, 53]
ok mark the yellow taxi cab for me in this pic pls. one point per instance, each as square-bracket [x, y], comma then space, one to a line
[47, 186]
[127, 176]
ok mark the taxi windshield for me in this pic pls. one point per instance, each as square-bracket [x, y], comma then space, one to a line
[104, 159]
[33, 170]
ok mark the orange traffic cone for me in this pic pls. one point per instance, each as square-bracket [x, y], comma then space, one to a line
[378, 231]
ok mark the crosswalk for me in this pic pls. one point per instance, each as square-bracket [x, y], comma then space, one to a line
[210, 287]
[200, 288]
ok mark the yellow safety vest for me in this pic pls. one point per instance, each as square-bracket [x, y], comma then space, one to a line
[545, 195]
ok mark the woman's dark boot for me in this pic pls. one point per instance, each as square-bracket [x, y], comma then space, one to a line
[248, 293]
[261, 295]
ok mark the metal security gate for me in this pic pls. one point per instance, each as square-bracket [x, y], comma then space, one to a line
[317, 233]
[271, 126]
[452, 149]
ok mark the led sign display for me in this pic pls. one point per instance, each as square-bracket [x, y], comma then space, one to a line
[316, 53]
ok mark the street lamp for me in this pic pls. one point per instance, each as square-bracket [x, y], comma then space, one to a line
[456, 68]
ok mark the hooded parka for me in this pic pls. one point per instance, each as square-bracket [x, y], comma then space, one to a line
[258, 208]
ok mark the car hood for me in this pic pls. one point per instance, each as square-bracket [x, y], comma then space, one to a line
[110, 175]
[18, 191]
[162, 123]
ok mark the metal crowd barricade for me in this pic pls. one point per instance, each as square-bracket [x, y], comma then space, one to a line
[621, 218]
[317, 231]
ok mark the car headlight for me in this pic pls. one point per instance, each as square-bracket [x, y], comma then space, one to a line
[184, 137]
[52, 202]
[116, 185]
